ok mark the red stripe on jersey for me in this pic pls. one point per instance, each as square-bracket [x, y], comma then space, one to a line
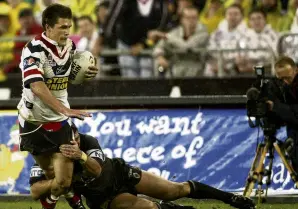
[50, 46]
[31, 72]
[38, 37]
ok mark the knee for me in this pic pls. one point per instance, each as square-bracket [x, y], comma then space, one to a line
[64, 183]
[50, 174]
[151, 205]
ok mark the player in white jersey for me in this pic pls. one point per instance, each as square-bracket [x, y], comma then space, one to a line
[44, 111]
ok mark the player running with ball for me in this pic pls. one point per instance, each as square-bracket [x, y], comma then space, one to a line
[44, 111]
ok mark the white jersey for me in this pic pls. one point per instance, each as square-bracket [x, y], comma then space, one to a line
[43, 60]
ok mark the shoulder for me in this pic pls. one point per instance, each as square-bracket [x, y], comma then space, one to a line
[36, 45]
[88, 142]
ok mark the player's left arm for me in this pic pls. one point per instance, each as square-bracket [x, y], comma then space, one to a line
[72, 151]
[92, 70]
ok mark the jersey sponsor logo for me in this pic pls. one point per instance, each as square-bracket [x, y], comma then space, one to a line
[59, 70]
[51, 61]
[29, 62]
[133, 173]
[57, 83]
[96, 153]
[36, 172]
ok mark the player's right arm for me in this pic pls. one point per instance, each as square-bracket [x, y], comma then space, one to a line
[40, 89]
[33, 78]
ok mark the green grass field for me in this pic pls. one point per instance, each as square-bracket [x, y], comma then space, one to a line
[196, 204]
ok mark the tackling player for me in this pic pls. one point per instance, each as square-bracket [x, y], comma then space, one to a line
[44, 111]
[112, 184]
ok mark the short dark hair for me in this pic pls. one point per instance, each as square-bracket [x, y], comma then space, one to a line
[235, 6]
[85, 17]
[53, 12]
[283, 61]
[258, 10]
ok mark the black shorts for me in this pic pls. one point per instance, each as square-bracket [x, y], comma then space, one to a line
[45, 140]
[126, 177]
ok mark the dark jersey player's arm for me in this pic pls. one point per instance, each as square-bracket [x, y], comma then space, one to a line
[95, 155]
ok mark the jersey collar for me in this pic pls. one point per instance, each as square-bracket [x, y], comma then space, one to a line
[48, 39]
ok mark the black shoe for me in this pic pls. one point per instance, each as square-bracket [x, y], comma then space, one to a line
[241, 202]
[172, 205]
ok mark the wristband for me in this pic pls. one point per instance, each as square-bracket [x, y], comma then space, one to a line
[84, 157]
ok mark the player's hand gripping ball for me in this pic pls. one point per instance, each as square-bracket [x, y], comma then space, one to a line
[83, 67]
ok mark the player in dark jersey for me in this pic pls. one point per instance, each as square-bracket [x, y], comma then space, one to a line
[98, 191]
[112, 184]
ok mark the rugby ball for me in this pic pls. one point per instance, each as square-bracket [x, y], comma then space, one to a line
[80, 63]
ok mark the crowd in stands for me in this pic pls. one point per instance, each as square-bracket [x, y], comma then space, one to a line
[179, 38]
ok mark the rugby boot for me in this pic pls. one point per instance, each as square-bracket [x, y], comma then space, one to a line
[241, 202]
[75, 202]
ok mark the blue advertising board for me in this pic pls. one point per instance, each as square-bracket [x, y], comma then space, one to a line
[214, 146]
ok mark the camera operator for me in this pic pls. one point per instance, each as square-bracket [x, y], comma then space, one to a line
[286, 71]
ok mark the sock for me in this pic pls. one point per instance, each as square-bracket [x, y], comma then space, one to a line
[53, 197]
[72, 199]
[203, 191]
[69, 195]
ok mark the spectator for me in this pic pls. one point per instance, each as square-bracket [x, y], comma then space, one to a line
[212, 14]
[87, 32]
[187, 36]
[294, 26]
[16, 7]
[82, 8]
[134, 19]
[279, 20]
[245, 4]
[288, 44]
[6, 31]
[101, 12]
[29, 28]
[42, 5]
[109, 64]
[227, 36]
[260, 35]
[175, 9]
[293, 6]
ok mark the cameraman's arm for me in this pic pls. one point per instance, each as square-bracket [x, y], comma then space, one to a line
[288, 113]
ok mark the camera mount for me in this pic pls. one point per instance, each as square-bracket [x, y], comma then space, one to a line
[258, 108]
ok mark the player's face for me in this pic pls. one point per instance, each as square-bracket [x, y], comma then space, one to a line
[286, 74]
[60, 31]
